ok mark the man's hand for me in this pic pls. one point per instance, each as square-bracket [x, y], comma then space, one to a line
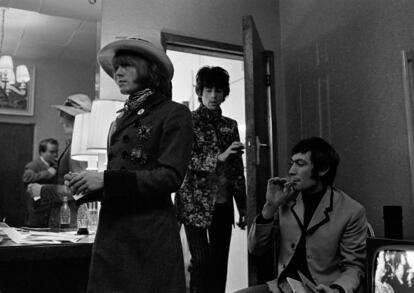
[52, 171]
[34, 190]
[276, 195]
[242, 219]
[84, 182]
[235, 148]
[325, 289]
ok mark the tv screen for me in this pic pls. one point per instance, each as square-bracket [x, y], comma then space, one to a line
[390, 265]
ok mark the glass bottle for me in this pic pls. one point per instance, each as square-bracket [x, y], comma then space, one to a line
[83, 219]
[65, 214]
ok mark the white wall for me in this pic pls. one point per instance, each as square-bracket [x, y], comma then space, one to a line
[359, 45]
[54, 81]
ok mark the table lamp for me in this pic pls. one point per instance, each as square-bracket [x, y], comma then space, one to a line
[79, 151]
[103, 113]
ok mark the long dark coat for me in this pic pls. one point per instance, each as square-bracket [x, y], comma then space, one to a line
[137, 246]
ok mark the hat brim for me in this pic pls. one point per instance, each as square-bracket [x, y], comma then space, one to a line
[139, 46]
[69, 110]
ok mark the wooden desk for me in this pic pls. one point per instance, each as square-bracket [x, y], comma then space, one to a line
[57, 268]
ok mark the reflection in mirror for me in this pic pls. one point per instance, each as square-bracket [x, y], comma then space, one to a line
[57, 41]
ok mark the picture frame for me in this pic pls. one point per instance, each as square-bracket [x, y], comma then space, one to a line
[18, 99]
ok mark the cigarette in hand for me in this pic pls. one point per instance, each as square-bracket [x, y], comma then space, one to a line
[288, 184]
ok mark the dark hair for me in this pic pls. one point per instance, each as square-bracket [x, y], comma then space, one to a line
[323, 157]
[212, 76]
[67, 117]
[43, 144]
[149, 73]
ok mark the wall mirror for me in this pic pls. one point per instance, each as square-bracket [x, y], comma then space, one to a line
[57, 41]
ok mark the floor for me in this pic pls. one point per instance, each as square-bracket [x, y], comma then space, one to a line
[237, 267]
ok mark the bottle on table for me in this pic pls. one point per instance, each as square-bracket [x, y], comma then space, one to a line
[83, 219]
[65, 214]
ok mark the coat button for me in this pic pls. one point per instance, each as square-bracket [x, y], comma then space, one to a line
[125, 139]
[292, 245]
[284, 266]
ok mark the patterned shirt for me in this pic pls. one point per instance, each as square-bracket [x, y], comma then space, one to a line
[206, 176]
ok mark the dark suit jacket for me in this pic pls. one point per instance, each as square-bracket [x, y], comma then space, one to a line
[335, 239]
[36, 172]
[137, 246]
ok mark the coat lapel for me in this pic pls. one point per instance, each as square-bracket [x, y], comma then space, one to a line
[63, 154]
[124, 121]
[321, 215]
[298, 210]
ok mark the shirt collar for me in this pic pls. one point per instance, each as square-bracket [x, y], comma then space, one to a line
[44, 161]
[209, 114]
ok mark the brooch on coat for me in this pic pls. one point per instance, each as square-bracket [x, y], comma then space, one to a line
[138, 155]
[144, 132]
[225, 129]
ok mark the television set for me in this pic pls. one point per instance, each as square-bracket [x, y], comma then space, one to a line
[390, 265]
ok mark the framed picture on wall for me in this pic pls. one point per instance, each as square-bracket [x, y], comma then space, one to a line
[18, 98]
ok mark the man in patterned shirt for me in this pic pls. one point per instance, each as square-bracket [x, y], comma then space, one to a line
[215, 175]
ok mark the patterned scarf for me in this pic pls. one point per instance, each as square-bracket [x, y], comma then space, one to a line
[209, 115]
[134, 101]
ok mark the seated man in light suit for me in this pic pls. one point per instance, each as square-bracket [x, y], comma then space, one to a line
[319, 230]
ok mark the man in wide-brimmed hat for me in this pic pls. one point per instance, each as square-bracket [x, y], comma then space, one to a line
[47, 198]
[137, 247]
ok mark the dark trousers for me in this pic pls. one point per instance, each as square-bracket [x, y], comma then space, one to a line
[209, 250]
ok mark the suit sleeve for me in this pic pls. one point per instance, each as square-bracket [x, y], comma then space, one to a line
[30, 176]
[55, 192]
[261, 236]
[353, 253]
[172, 162]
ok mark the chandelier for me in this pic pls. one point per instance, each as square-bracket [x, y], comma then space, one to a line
[8, 77]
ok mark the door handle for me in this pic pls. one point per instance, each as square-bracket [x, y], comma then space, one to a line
[258, 147]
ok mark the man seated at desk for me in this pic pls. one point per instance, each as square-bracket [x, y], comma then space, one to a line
[319, 230]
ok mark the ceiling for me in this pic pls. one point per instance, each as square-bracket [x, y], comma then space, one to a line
[45, 29]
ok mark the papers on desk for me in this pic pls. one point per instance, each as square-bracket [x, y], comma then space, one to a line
[78, 196]
[306, 286]
[40, 237]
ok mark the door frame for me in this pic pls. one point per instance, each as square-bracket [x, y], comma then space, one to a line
[195, 45]
[226, 50]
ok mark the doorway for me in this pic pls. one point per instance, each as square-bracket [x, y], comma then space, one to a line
[186, 65]
[259, 133]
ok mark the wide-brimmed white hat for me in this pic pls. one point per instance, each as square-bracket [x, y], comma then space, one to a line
[75, 104]
[140, 46]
